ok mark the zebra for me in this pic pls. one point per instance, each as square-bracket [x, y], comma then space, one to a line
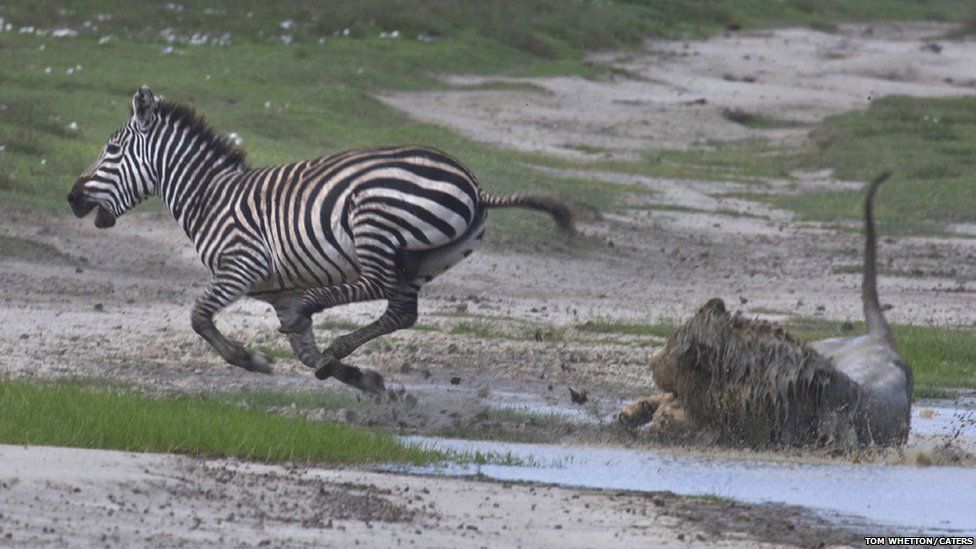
[360, 225]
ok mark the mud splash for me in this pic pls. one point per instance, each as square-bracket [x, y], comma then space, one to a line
[907, 498]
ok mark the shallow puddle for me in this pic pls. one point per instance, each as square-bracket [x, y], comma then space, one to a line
[909, 498]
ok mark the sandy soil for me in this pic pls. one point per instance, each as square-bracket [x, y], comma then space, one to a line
[672, 94]
[75, 301]
[56, 497]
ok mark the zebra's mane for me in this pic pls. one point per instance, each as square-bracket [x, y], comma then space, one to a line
[196, 125]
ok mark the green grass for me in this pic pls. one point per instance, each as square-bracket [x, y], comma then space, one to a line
[940, 357]
[760, 121]
[740, 161]
[276, 352]
[64, 414]
[926, 142]
[914, 273]
[339, 325]
[319, 87]
[928, 145]
[300, 400]
[608, 326]
[509, 426]
[688, 209]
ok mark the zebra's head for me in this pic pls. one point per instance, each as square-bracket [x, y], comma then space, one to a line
[123, 175]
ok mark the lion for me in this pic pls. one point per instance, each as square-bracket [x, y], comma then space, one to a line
[752, 383]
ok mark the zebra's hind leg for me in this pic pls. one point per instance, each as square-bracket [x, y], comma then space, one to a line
[401, 312]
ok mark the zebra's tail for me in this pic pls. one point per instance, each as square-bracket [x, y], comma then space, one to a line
[559, 210]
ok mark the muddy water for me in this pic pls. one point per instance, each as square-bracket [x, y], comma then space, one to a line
[909, 498]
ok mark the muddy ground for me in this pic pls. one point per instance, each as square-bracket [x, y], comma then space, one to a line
[54, 497]
[79, 302]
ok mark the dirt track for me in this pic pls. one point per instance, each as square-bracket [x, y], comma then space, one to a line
[81, 302]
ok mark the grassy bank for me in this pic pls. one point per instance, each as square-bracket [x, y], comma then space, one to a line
[295, 79]
[928, 145]
[64, 414]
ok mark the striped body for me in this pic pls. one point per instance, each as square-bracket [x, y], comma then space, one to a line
[356, 226]
[303, 220]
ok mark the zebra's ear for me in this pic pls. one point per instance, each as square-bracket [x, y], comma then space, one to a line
[144, 107]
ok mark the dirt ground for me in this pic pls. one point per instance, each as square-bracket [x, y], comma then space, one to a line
[54, 497]
[76, 301]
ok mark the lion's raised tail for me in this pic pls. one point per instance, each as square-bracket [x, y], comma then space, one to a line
[873, 314]
[559, 210]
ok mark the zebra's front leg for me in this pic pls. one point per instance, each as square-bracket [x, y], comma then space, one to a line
[302, 343]
[226, 288]
[296, 323]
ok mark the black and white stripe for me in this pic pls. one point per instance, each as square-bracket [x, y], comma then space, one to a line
[359, 225]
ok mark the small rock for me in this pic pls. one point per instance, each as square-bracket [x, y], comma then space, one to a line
[455, 380]
[578, 397]
[99, 307]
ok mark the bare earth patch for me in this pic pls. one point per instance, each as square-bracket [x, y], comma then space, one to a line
[98, 498]
[115, 304]
[674, 94]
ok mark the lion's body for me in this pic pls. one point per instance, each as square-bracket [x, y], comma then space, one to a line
[750, 382]
[753, 383]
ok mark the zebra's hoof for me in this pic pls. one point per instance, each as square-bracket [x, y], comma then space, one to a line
[294, 323]
[258, 362]
[371, 382]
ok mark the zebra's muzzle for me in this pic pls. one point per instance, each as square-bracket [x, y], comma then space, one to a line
[80, 204]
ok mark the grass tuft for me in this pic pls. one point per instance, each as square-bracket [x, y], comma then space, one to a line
[63, 414]
[607, 326]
